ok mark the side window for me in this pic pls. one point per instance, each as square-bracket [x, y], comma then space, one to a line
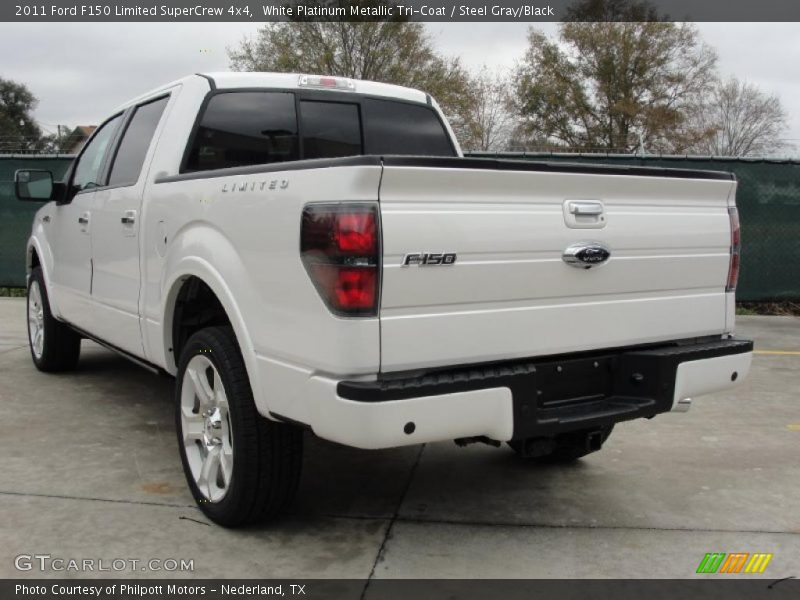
[87, 171]
[330, 129]
[399, 128]
[245, 128]
[135, 143]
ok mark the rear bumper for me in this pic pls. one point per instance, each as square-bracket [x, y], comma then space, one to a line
[522, 399]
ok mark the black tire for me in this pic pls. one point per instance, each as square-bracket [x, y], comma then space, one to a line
[267, 456]
[568, 448]
[61, 345]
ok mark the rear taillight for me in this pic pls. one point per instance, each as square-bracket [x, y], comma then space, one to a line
[340, 247]
[736, 246]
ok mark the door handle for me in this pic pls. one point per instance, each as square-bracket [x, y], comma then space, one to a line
[585, 213]
[586, 208]
[129, 218]
[83, 221]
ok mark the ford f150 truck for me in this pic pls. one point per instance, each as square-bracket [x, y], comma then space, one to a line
[309, 252]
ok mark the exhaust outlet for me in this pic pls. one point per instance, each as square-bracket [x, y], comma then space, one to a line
[594, 441]
[536, 447]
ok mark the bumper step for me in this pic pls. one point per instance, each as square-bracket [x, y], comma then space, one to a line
[562, 393]
[616, 408]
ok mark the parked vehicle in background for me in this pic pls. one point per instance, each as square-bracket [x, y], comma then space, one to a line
[314, 252]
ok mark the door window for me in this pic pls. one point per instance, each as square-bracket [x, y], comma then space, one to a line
[87, 171]
[135, 143]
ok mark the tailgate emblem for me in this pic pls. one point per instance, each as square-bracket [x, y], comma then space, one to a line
[585, 255]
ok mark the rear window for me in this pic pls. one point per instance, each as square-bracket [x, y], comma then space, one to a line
[330, 129]
[245, 128]
[399, 128]
[257, 128]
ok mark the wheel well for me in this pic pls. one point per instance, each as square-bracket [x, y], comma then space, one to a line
[34, 261]
[196, 308]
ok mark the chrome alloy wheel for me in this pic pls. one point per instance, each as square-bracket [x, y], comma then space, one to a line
[206, 428]
[36, 319]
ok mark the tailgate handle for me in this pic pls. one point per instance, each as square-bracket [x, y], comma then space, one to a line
[586, 208]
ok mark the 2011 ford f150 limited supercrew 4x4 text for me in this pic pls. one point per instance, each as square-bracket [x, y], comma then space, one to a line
[308, 252]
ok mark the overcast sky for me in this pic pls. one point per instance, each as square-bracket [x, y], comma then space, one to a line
[81, 71]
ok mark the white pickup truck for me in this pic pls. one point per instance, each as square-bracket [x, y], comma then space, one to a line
[308, 252]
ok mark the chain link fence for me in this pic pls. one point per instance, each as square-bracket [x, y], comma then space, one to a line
[768, 198]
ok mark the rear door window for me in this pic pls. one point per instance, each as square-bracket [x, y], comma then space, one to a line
[135, 143]
[400, 128]
[330, 129]
[245, 128]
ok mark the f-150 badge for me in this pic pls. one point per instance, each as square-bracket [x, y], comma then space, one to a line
[585, 255]
[429, 259]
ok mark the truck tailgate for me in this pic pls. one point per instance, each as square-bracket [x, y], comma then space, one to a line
[510, 294]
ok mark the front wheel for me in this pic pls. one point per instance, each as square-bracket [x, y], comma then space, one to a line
[54, 345]
[241, 468]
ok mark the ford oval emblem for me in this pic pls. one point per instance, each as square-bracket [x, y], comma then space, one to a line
[585, 255]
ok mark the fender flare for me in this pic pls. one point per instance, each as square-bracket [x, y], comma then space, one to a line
[45, 262]
[194, 266]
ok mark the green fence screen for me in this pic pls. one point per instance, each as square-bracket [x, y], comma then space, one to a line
[16, 217]
[768, 198]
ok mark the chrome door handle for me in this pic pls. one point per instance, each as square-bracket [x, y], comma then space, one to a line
[586, 208]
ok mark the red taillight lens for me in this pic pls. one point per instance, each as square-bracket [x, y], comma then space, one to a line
[356, 233]
[339, 244]
[356, 288]
[736, 246]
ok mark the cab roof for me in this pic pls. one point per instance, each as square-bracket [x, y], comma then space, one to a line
[236, 79]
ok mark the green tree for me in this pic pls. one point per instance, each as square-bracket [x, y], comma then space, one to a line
[615, 77]
[18, 131]
[395, 51]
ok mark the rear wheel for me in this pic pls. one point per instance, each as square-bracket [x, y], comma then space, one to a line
[241, 468]
[564, 448]
[54, 345]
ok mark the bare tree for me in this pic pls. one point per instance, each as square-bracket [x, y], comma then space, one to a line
[489, 121]
[740, 120]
